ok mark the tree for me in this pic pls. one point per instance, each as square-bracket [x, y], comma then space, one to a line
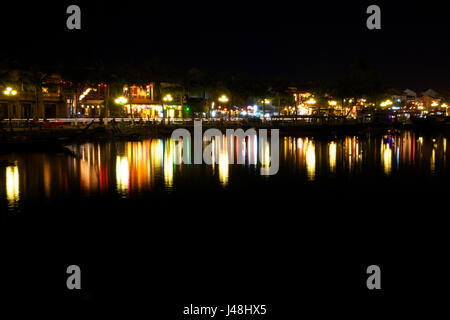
[360, 82]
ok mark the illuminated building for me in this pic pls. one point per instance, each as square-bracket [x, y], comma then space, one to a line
[20, 101]
[91, 102]
[143, 103]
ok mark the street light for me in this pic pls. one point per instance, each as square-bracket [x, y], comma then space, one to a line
[332, 103]
[311, 101]
[386, 103]
[223, 98]
[9, 91]
[444, 105]
[121, 100]
[168, 98]
[264, 102]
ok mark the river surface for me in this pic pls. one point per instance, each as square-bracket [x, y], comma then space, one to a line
[135, 221]
[130, 169]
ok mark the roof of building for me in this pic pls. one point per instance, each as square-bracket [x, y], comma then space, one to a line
[431, 93]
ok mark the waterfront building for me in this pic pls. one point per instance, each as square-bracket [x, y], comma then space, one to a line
[430, 100]
[150, 101]
[90, 103]
[22, 100]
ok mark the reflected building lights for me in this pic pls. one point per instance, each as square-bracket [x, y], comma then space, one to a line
[223, 166]
[88, 174]
[12, 185]
[433, 161]
[310, 160]
[122, 174]
[444, 149]
[169, 163]
[265, 155]
[220, 156]
[332, 156]
[386, 157]
[47, 179]
[148, 165]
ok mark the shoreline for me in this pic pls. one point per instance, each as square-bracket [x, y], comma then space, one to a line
[47, 138]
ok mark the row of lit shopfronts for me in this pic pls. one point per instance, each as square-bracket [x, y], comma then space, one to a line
[134, 111]
[153, 111]
[139, 102]
[135, 102]
[91, 111]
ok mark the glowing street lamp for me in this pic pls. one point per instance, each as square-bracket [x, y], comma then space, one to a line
[121, 100]
[9, 92]
[223, 98]
[332, 103]
[264, 102]
[386, 103]
[168, 98]
[311, 101]
[444, 105]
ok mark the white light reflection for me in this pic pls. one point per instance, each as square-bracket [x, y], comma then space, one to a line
[122, 174]
[12, 185]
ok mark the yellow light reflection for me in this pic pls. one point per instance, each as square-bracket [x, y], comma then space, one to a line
[433, 161]
[265, 156]
[310, 160]
[88, 174]
[387, 157]
[47, 179]
[332, 156]
[223, 166]
[12, 184]
[122, 174]
[444, 145]
[169, 163]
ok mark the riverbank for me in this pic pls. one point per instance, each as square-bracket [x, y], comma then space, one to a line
[49, 137]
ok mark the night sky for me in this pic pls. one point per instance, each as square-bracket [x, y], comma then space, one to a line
[296, 40]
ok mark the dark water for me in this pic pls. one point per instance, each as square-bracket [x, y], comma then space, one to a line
[137, 169]
[148, 233]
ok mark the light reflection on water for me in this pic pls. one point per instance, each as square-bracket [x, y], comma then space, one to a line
[386, 151]
[332, 156]
[12, 185]
[127, 168]
[122, 174]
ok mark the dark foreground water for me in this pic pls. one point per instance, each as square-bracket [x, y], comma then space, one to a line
[152, 234]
